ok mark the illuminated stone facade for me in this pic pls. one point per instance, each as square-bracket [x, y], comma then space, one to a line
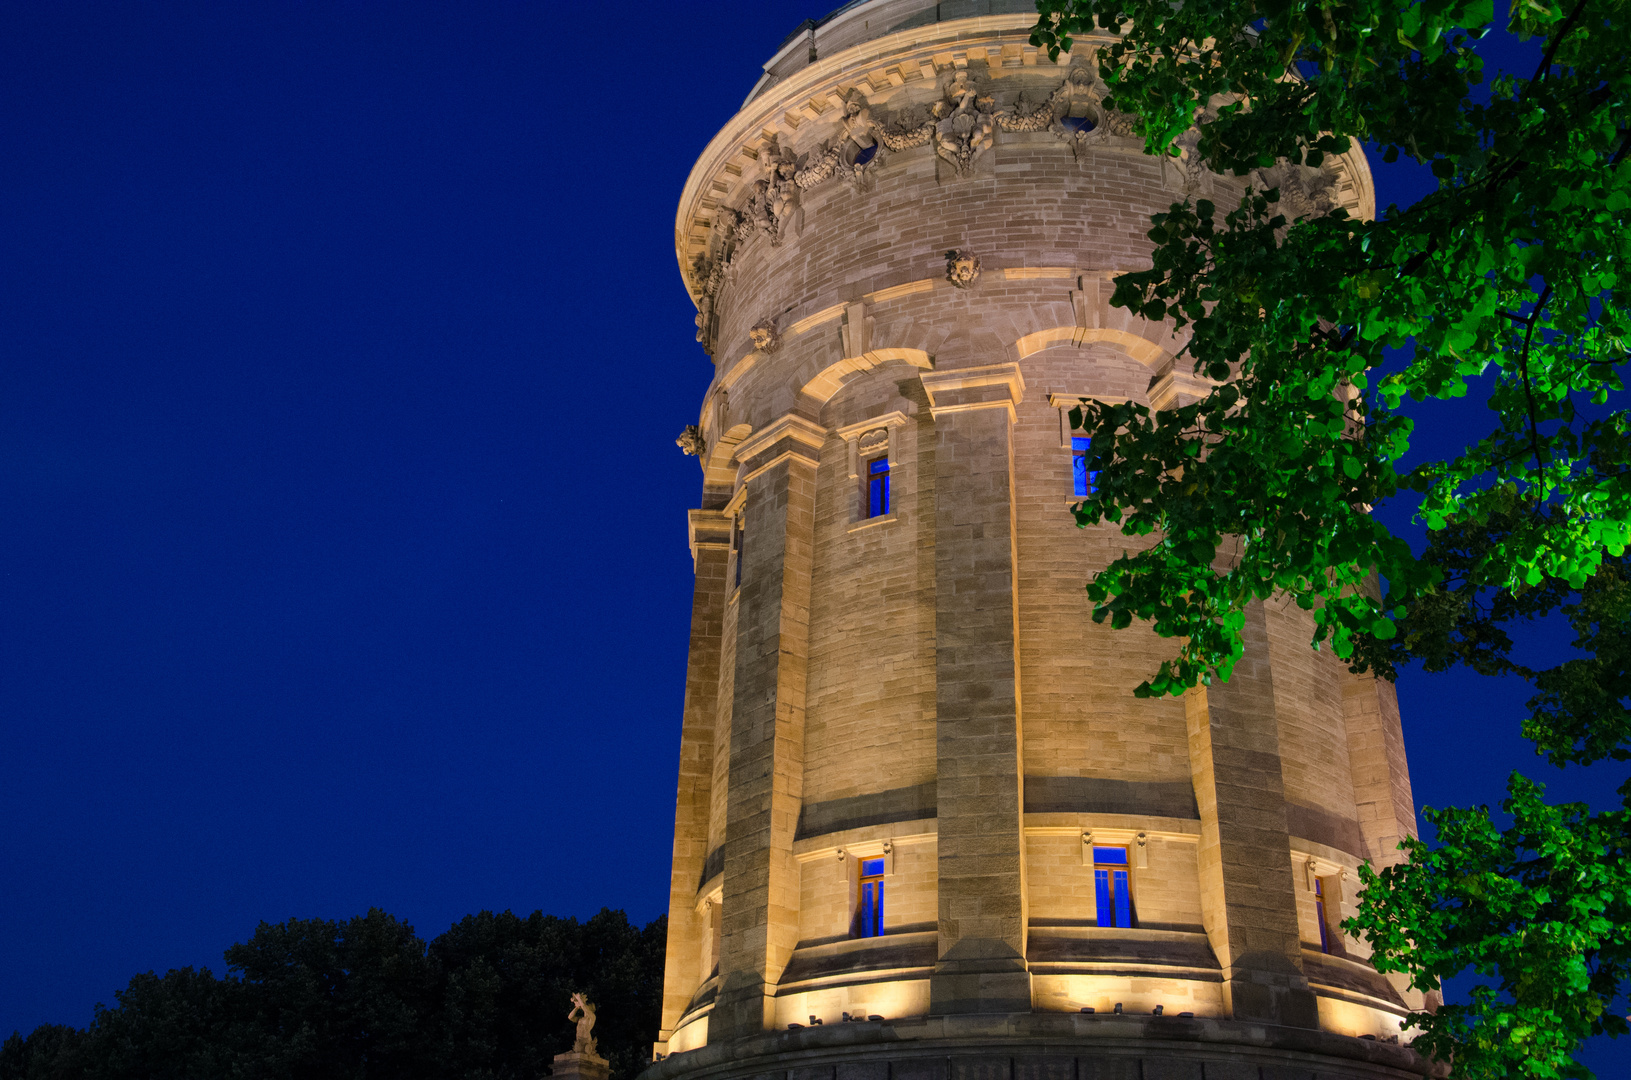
[900, 250]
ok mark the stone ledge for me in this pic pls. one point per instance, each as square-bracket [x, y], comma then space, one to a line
[1010, 1046]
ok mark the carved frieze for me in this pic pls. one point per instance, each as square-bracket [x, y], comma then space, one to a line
[961, 124]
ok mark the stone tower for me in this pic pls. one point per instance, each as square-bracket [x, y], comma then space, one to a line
[924, 829]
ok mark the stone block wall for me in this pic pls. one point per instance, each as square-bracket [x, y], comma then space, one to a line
[931, 686]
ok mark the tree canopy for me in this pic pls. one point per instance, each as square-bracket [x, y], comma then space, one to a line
[366, 997]
[1505, 284]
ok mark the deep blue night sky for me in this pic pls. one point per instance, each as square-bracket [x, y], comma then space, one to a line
[342, 533]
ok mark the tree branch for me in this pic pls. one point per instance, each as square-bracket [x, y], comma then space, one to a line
[1523, 364]
[1557, 39]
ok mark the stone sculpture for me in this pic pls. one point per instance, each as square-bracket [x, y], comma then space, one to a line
[764, 337]
[965, 124]
[1304, 191]
[584, 1013]
[691, 441]
[782, 193]
[961, 125]
[962, 268]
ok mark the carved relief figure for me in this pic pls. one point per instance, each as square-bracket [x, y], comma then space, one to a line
[861, 134]
[965, 125]
[584, 1013]
[691, 441]
[962, 267]
[1304, 191]
[764, 337]
[783, 193]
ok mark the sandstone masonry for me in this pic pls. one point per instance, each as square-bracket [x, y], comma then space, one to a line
[901, 250]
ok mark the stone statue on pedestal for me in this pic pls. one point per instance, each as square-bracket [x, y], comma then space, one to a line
[581, 1062]
[584, 1013]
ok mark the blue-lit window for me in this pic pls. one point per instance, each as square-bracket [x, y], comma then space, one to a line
[1112, 890]
[1319, 910]
[877, 487]
[1081, 451]
[869, 904]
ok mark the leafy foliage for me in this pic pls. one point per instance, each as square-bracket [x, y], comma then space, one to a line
[315, 998]
[1505, 283]
[1542, 904]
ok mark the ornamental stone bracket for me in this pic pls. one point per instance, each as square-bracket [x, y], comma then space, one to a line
[1177, 386]
[866, 438]
[788, 436]
[995, 386]
[707, 529]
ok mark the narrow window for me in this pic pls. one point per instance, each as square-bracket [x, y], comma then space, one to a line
[1322, 911]
[736, 550]
[869, 904]
[1111, 888]
[1081, 450]
[877, 487]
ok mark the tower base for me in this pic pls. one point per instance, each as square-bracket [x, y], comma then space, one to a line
[1047, 1046]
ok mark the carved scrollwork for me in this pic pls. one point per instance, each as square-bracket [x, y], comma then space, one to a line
[872, 441]
[1074, 112]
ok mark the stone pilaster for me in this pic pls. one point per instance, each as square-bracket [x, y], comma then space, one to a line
[710, 551]
[982, 916]
[759, 909]
[1248, 895]
[1381, 777]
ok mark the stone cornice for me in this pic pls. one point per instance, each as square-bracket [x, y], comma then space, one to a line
[995, 386]
[905, 66]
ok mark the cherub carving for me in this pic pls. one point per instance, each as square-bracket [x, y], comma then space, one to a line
[965, 126]
[584, 1013]
[861, 136]
[783, 193]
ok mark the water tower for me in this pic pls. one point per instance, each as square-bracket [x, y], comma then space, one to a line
[924, 830]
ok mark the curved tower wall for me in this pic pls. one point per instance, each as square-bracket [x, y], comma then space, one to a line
[925, 687]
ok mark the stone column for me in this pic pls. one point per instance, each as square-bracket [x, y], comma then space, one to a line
[759, 908]
[1248, 895]
[981, 966]
[710, 552]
